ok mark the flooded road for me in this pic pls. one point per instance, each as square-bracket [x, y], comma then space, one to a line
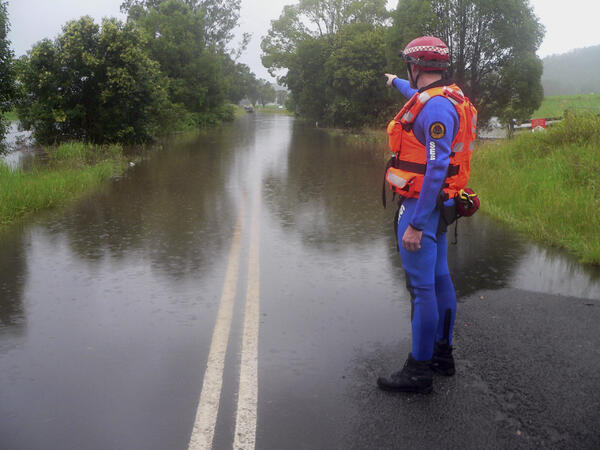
[262, 250]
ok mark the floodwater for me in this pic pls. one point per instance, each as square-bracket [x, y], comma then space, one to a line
[107, 307]
[20, 151]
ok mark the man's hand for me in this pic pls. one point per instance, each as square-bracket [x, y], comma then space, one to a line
[411, 240]
[390, 79]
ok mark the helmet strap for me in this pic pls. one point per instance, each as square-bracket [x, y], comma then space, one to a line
[413, 80]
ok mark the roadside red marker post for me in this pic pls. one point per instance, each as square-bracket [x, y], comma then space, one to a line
[538, 123]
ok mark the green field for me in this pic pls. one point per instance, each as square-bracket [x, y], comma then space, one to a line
[546, 184]
[555, 106]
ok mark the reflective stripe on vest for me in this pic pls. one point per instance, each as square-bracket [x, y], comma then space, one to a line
[396, 179]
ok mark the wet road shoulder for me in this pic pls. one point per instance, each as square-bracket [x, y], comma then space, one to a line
[528, 371]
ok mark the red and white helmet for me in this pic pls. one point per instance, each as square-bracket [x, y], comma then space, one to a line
[428, 53]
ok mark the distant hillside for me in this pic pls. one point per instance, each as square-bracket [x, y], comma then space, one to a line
[575, 72]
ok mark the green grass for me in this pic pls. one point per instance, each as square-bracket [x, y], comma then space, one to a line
[11, 115]
[82, 154]
[546, 184]
[272, 109]
[239, 111]
[555, 106]
[72, 170]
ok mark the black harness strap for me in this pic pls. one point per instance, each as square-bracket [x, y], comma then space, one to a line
[412, 167]
[421, 169]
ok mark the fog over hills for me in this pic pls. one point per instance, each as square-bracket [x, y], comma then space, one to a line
[575, 72]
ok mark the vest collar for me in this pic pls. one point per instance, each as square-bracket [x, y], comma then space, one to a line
[435, 84]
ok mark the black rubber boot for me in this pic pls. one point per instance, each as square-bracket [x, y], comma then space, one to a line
[415, 376]
[443, 361]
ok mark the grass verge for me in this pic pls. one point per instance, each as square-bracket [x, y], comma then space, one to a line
[11, 115]
[546, 184]
[72, 170]
[363, 136]
[273, 109]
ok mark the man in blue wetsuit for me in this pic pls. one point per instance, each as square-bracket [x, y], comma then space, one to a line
[429, 124]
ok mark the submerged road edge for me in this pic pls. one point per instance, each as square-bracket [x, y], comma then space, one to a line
[208, 406]
[247, 404]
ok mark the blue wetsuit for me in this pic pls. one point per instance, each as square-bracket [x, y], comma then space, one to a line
[427, 274]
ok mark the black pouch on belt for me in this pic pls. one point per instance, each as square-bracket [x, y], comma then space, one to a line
[448, 215]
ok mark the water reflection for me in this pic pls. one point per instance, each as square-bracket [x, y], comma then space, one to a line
[13, 275]
[549, 271]
[23, 158]
[329, 192]
[485, 255]
[177, 209]
[490, 255]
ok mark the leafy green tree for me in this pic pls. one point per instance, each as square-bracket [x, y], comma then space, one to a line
[266, 92]
[196, 66]
[306, 78]
[94, 84]
[314, 19]
[239, 78]
[356, 95]
[492, 47]
[334, 52]
[7, 88]
[220, 17]
[519, 89]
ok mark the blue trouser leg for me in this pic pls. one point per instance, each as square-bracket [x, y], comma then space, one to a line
[428, 280]
[420, 273]
[444, 293]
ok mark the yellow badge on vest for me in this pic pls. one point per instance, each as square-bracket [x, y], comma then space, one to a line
[437, 130]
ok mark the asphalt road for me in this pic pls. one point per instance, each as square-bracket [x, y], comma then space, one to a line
[528, 373]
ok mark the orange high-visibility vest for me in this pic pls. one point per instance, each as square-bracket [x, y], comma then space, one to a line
[406, 171]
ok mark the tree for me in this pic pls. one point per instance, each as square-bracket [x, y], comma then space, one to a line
[356, 95]
[239, 78]
[219, 16]
[199, 71]
[306, 78]
[281, 96]
[7, 87]
[314, 19]
[94, 84]
[327, 84]
[334, 53]
[266, 92]
[492, 46]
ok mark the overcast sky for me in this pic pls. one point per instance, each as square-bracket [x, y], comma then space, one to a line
[33, 20]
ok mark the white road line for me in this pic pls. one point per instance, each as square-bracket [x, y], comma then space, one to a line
[208, 407]
[245, 423]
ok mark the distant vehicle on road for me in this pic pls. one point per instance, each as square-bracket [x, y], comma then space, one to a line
[249, 109]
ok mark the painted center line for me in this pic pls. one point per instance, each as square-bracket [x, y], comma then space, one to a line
[208, 407]
[245, 423]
